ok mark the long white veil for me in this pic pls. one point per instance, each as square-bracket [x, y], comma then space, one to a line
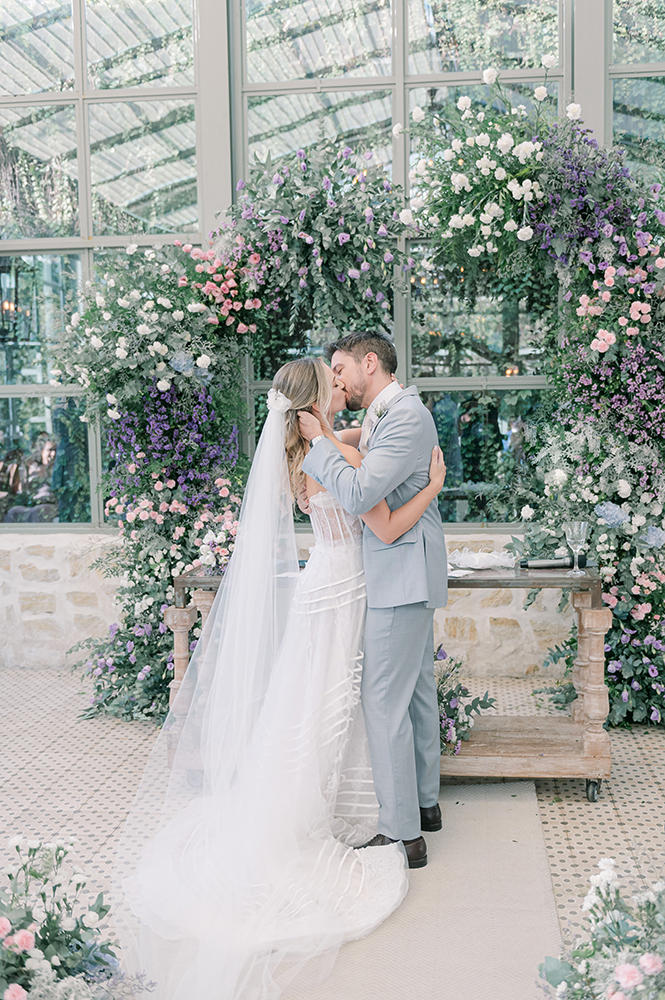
[229, 878]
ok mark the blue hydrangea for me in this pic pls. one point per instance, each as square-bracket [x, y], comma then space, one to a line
[653, 537]
[182, 362]
[612, 515]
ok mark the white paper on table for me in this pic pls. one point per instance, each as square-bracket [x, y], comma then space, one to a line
[459, 572]
[466, 559]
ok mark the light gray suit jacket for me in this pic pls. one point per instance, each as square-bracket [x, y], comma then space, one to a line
[414, 567]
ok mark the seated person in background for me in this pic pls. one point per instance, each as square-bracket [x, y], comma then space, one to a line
[41, 504]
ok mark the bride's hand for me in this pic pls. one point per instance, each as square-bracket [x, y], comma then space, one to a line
[310, 426]
[437, 470]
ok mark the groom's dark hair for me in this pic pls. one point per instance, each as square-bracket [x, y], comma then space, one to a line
[364, 342]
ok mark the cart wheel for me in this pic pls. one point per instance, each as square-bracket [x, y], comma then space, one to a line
[593, 787]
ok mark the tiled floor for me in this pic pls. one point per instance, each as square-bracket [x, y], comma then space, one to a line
[62, 775]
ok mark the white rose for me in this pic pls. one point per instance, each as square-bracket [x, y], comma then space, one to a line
[489, 76]
[106, 315]
[135, 295]
[500, 174]
[143, 329]
[456, 144]
[96, 342]
[418, 114]
[120, 352]
[100, 300]
[510, 226]
[68, 923]
[558, 477]
[406, 217]
[549, 61]
[573, 111]
[505, 142]
[113, 414]
[124, 303]
[417, 204]
[398, 128]
[448, 155]
[178, 315]
[55, 961]
[624, 489]
[483, 139]
[163, 385]
[474, 251]
[131, 249]
[540, 93]
[470, 140]
[657, 509]
[75, 320]
[464, 103]
[468, 220]
[524, 150]
[203, 361]
[110, 398]
[527, 512]
[639, 520]
[196, 307]
[164, 302]
[525, 233]
[90, 919]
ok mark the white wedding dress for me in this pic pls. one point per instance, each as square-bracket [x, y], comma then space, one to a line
[236, 868]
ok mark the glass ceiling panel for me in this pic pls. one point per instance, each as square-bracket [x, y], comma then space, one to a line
[455, 35]
[639, 31]
[281, 124]
[143, 165]
[301, 39]
[139, 43]
[36, 52]
[38, 172]
[639, 117]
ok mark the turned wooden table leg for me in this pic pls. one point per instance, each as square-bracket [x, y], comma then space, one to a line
[203, 599]
[596, 740]
[581, 600]
[179, 620]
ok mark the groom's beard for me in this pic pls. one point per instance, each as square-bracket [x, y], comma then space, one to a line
[355, 395]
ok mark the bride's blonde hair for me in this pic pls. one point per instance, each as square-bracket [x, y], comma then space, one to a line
[305, 381]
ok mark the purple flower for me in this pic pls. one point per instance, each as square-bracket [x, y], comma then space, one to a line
[283, 219]
[130, 646]
[388, 257]
[346, 152]
[113, 629]
[132, 658]
[653, 670]
[327, 184]
[368, 155]
[613, 666]
[656, 189]
[192, 646]
[162, 628]
[365, 266]
[624, 696]
[454, 702]
[354, 273]
[607, 648]
[382, 231]
[369, 215]
[277, 179]
[387, 186]
[655, 714]
[379, 298]
[635, 686]
[240, 185]
[440, 653]
[301, 154]
[343, 238]
[341, 277]
[331, 203]
[302, 215]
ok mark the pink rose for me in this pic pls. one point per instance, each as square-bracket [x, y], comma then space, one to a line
[159, 486]
[14, 992]
[660, 263]
[5, 927]
[622, 321]
[170, 483]
[627, 976]
[607, 336]
[651, 964]
[632, 330]
[611, 600]
[24, 940]
[182, 281]
[606, 296]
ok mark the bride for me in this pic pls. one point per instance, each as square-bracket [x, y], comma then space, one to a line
[239, 862]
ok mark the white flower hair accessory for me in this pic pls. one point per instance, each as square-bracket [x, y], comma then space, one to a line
[278, 401]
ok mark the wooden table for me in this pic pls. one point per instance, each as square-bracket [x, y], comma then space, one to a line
[575, 746]
[511, 746]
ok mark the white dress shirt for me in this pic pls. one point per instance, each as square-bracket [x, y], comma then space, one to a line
[390, 391]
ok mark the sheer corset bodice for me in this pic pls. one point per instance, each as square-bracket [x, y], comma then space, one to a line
[332, 525]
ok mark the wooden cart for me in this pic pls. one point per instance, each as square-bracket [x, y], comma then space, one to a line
[575, 746]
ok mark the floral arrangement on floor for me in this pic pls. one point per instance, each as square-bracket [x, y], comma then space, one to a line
[513, 199]
[456, 717]
[332, 219]
[624, 957]
[52, 944]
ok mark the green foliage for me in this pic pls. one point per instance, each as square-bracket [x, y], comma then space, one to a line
[456, 717]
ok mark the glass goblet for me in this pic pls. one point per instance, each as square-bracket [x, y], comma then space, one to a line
[576, 537]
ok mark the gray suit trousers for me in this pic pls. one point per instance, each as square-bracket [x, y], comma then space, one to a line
[401, 715]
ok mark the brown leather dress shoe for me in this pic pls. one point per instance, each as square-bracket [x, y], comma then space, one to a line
[416, 850]
[430, 818]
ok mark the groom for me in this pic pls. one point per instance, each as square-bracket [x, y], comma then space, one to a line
[406, 581]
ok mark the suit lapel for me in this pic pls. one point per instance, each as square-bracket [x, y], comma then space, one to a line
[410, 390]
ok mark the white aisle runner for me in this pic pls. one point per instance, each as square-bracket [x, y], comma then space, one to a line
[476, 921]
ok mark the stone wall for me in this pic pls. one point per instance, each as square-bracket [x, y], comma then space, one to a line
[50, 598]
[489, 629]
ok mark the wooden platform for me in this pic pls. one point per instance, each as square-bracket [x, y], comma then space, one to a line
[510, 746]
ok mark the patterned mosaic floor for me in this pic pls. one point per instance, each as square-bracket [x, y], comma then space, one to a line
[62, 775]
